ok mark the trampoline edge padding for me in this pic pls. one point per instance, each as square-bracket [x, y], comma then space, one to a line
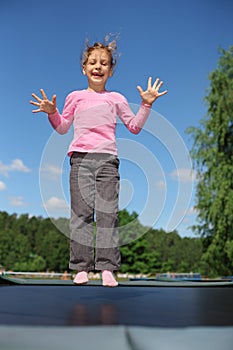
[5, 280]
[115, 338]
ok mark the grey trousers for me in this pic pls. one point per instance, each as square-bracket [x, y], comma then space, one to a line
[94, 192]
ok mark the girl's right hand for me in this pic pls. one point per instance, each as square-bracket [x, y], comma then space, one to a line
[44, 104]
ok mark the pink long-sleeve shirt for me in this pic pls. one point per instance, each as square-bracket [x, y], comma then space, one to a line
[93, 116]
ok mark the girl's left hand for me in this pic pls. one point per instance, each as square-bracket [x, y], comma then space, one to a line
[152, 93]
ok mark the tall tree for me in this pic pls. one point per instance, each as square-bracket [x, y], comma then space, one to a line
[212, 153]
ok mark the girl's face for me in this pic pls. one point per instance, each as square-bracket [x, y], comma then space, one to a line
[98, 69]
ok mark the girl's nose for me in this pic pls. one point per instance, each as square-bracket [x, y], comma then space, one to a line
[97, 65]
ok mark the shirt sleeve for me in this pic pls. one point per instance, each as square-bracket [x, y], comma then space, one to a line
[62, 122]
[134, 123]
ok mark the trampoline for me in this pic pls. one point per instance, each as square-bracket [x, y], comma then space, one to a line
[150, 314]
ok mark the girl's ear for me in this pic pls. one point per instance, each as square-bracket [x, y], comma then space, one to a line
[84, 70]
[111, 72]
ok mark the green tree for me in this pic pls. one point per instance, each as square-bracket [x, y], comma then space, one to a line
[36, 244]
[34, 263]
[212, 153]
[53, 246]
[137, 257]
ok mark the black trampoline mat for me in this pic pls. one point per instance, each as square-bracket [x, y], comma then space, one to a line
[126, 305]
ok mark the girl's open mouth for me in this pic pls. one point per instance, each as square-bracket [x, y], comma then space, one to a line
[97, 74]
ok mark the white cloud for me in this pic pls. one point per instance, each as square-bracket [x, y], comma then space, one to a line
[2, 186]
[17, 201]
[184, 175]
[191, 211]
[161, 185]
[4, 169]
[52, 171]
[189, 215]
[54, 203]
[16, 165]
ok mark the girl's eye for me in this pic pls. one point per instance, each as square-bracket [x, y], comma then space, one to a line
[94, 62]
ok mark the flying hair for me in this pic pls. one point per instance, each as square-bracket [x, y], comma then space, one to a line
[108, 44]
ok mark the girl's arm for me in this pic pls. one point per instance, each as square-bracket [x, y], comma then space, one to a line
[136, 123]
[152, 93]
[44, 104]
[60, 123]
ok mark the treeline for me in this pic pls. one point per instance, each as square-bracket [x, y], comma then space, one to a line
[36, 244]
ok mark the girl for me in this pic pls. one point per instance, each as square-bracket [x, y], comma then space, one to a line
[94, 176]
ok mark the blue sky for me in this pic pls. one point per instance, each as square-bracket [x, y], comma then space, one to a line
[41, 42]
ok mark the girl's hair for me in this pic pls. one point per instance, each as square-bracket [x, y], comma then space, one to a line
[110, 47]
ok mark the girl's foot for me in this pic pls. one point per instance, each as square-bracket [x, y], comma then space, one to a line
[81, 278]
[108, 279]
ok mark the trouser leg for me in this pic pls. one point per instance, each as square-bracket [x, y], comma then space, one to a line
[106, 204]
[82, 193]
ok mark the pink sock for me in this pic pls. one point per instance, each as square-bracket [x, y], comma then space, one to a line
[108, 279]
[81, 278]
